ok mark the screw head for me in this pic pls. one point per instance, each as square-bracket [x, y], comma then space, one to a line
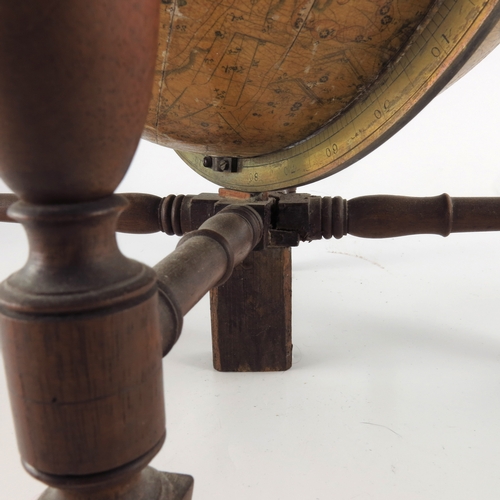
[223, 165]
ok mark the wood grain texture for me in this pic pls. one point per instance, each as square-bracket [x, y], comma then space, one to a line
[76, 82]
[81, 341]
[84, 388]
[80, 326]
[251, 315]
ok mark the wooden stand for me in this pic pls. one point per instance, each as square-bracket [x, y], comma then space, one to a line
[80, 323]
[251, 315]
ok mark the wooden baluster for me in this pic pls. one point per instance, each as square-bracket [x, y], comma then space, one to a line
[80, 324]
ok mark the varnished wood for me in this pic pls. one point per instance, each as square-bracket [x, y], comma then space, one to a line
[74, 92]
[203, 259]
[80, 323]
[251, 315]
[82, 345]
[312, 217]
[142, 214]
[6, 200]
[384, 216]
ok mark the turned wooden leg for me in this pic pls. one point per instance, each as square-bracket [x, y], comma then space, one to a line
[79, 322]
[251, 314]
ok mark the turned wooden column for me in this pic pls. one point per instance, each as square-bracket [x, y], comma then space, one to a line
[80, 325]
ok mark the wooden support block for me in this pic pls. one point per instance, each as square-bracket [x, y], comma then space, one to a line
[252, 315]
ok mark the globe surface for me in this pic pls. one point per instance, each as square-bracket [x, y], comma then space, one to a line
[298, 89]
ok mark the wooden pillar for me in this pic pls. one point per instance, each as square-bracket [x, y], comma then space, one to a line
[251, 315]
[80, 322]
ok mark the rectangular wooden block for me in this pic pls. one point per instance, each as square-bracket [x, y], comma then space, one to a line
[252, 315]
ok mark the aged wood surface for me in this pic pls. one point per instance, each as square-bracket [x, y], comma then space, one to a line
[80, 324]
[203, 259]
[251, 314]
[75, 97]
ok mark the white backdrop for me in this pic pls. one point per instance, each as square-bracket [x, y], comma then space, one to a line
[395, 388]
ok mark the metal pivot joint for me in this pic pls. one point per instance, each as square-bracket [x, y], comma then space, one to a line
[227, 164]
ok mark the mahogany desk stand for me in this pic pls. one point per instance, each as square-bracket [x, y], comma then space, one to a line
[88, 404]
[84, 328]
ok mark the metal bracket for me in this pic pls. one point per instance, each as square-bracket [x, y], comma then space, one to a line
[221, 163]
